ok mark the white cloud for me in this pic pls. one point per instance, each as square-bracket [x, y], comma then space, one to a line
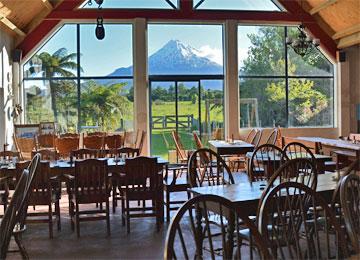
[242, 53]
[213, 54]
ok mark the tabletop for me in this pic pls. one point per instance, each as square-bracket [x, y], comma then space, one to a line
[235, 147]
[318, 157]
[332, 142]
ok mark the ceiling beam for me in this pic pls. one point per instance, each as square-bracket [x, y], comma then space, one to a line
[11, 26]
[322, 6]
[47, 4]
[349, 40]
[346, 32]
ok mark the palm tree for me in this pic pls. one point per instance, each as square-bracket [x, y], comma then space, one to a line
[58, 64]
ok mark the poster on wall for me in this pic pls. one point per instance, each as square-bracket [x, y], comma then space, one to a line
[26, 131]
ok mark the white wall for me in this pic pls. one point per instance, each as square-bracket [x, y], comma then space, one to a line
[6, 125]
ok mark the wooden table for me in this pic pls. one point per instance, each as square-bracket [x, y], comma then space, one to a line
[319, 158]
[225, 148]
[246, 195]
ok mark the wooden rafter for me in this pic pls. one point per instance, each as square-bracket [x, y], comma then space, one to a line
[47, 4]
[347, 32]
[350, 40]
[11, 26]
[322, 6]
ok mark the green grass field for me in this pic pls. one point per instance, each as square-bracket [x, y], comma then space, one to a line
[161, 139]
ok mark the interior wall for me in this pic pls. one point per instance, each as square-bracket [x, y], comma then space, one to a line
[353, 57]
[6, 93]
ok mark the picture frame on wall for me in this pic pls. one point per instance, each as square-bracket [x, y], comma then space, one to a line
[47, 128]
[26, 130]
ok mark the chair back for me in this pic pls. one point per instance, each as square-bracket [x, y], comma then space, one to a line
[207, 168]
[257, 138]
[41, 186]
[8, 155]
[251, 135]
[265, 160]
[47, 154]
[97, 133]
[15, 213]
[140, 141]
[25, 146]
[45, 141]
[285, 223]
[70, 135]
[85, 153]
[180, 150]
[184, 233]
[273, 136]
[123, 152]
[197, 140]
[65, 145]
[350, 204]
[314, 147]
[91, 180]
[296, 150]
[113, 141]
[94, 142]
[142, 175]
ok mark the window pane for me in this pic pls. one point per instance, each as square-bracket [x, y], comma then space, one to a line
[185, 49]
[57, 58]
[212, 109]
[107, 105]
[111, 56]
[262, 5]
[262, 102]
[313, 64]
[140, 4]
[261, 50]
[54, 100]
[311, 102]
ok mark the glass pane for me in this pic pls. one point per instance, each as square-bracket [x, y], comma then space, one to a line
[185, 49]
[57, 58]
[163, 118]
[54, 100]
[311, 102]
[313, 64]
[139, 4]
[111, 56]
[262, 102]
[188, 112]
[254, 5]
[107, 105]
[212, 109]
[261, 50]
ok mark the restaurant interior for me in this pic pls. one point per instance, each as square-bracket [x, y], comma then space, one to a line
[177, 129]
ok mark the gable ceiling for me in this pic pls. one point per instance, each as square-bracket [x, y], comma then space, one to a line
[340, 19]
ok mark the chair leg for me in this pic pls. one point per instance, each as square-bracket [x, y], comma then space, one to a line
[127, 212]
[114, 199]
[167, 203]
[18, 240]
[57, 212]
[108, 217]
[50, 214]
[72, 216]
[122, 209]
[77, 220]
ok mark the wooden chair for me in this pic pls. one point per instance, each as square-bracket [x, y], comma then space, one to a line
[251, 135]
[273, 136]
[45, 141]
[65, 145]
[47, 154]
[113, 141]
[142, 182]
[314, 147]
[25, 146]
[97, 133]
[197, 140]
[118, 178]
[13, 222]
[350, 203]
[46, 191]
[140, 141]
[90, 185]
[257, 138]
[265, 160]
[296, 150]
[182, 154]
[8, 155]
[4, 191]
[94, 142]
[285, 223]
[74, 135]
[85, 154]
[185, 228]
[130, 138]
[207, 168]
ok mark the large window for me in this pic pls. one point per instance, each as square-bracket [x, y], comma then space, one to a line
[80, 82]
[186, 83]
[279, 87]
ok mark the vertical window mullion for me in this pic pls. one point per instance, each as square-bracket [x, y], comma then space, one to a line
[199, 100]
[78, 75]
[286, 78]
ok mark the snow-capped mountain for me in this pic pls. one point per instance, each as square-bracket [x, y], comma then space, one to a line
[176, 58]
